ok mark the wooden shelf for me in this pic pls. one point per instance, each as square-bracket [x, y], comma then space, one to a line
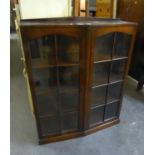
[102, 58]
[116, 57]
[64, 112]
[111, 60]
[40, 63]
[99, 102]
[101, 85]
[117, 81]
[97, 106]
[45, 90]
[62, 90]
[117, 100]
[66, 64]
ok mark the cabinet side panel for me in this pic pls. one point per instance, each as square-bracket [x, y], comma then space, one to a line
[29, 74]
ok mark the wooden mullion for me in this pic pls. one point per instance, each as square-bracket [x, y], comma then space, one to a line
[58, 83]
[89, 70]
[110, 68]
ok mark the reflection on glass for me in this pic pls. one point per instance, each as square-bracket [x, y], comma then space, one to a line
[68, 49]
[122, 44]
[98, 95]
[111, 110]
[70, 122]
[42, 52]
[44, 79]
[104, 46]
[50, 125]
[117, 70]
[96, 116]
[114, 91]
[101, 72]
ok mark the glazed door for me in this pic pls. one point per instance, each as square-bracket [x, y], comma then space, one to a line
[109, 62]
[55, 76]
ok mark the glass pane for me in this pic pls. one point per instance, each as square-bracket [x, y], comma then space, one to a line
[104, 46]
[98, 95]
[69, 96]
[68, 49]
[50, 125]
[42, 52]
[96, 116]
[111, 110]
[69, 102]
[101, 72]
[48, 104]
[122, 44]
[114, 91]
[55, 73]
[69, 79]
[44, 79]
[117, 70]
[70, 122]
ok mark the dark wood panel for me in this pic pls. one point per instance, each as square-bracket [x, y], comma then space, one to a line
[133, 10]
[79, 134]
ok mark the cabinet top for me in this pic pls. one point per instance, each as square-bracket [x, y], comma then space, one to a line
[77, 21]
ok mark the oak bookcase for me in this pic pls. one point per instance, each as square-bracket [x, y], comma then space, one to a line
[76, 67]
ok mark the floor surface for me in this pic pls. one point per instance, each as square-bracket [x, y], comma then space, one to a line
[126, 138]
